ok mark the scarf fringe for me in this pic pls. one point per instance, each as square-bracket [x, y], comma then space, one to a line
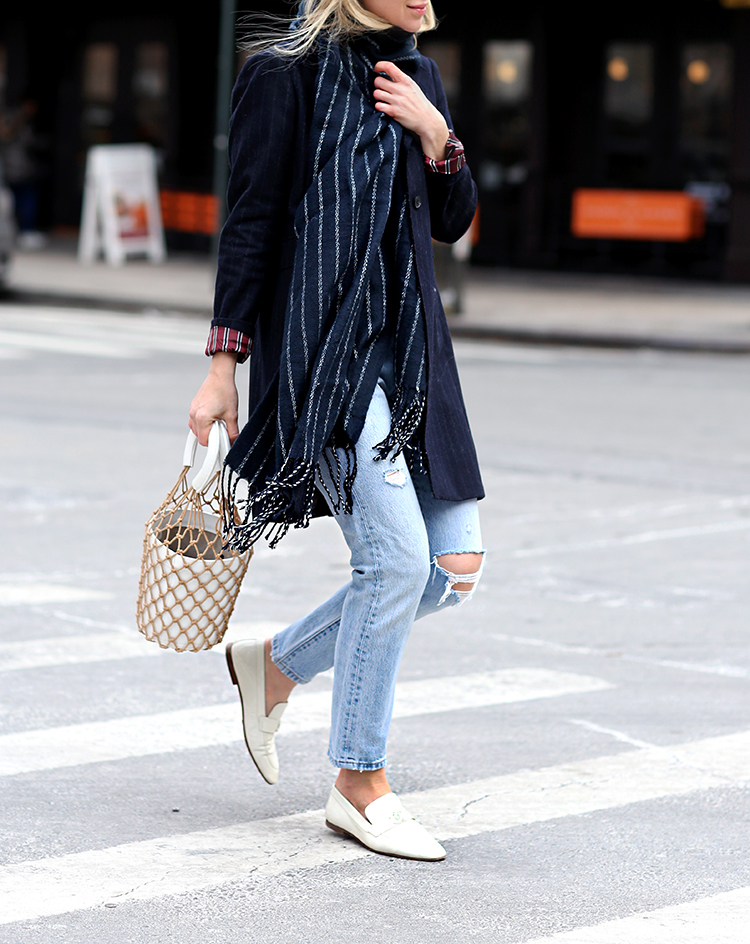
[272, 511]
[268, 513]
[406, 420]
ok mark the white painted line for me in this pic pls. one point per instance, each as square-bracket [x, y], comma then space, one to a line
[101, 647]
[132, 335]
[728, 671]
[18, 594]
[41, 342]
[13, 354]
[262, 629]
[173, 865]
[505, 353]
[67, 650]
[611, 732]
[646, 537]
[193, 728]
[720, 919]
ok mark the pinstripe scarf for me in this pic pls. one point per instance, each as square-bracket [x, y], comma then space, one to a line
[354, 296]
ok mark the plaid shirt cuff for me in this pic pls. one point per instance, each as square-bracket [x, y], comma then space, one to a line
[230, 340]
[454, 158]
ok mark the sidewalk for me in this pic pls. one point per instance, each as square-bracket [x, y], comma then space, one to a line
[499, 304]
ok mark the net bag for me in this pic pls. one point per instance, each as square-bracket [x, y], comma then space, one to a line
[189, 583]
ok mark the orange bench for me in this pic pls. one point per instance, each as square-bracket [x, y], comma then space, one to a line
[189, 212]
[668, 215]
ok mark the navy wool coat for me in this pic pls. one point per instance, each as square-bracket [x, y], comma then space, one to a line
[272, 106]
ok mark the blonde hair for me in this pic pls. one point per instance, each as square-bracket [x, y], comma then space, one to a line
[341, 20]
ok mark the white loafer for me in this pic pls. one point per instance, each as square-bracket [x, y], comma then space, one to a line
[247, 666]
[386, 827]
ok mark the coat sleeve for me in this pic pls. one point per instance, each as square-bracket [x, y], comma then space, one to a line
[261, 135]
[452, 197]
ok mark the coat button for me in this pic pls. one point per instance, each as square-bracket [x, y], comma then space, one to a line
[417, 202]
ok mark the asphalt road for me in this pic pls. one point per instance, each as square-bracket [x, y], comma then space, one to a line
[579, 734]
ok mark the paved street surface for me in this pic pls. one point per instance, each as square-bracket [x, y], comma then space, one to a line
[578, 735]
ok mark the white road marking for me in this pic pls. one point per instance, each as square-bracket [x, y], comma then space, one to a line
[100, 334]
[192, 728]
[617, 735]
[720, 919]
[505, 353]
[66, 650]
[173, 865]
[18, 594]
[262, 629]
[127, 643]
[728, 671]
[13, 354]
[646, 537]
[40, 342]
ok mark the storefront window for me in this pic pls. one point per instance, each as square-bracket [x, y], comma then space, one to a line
[705, 99]
[3, 75]
[150, 87]
[99, 91]
[100, 73]
[447, 56]
[507, 93]
[628, 88]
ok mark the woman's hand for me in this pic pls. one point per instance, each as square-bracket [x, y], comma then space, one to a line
[216, 399]
[401, 98]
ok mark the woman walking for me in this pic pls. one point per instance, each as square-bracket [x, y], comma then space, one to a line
[343, 167]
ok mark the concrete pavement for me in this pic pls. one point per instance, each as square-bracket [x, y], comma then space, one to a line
[498, 304]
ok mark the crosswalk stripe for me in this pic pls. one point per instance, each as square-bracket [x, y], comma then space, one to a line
[39, 342]
[67, 650]
[720, 919]
[102, 647]
[179, 864]
[107, 335]
[193, 728]
[645, 537]
[18, 594]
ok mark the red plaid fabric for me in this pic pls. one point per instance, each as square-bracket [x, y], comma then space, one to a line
[231, 340]
[454, 159]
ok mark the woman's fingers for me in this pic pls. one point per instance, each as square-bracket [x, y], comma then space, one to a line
[391, 69]
[216, 400]
[398, 96]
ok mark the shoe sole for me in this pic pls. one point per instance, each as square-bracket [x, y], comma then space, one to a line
[391, 855]
[233, 676]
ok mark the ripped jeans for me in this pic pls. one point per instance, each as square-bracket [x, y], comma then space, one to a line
[395, 533]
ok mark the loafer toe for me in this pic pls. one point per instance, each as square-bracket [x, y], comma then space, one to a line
[386, 828]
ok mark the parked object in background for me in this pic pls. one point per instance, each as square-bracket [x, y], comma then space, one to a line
[121, 213]
[659, 215]
[189, 212]
[7, 232]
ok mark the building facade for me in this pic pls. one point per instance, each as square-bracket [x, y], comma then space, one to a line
[547, 98]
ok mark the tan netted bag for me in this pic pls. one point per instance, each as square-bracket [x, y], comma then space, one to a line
[189, 583]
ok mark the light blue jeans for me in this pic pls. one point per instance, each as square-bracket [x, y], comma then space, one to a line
[396, 531]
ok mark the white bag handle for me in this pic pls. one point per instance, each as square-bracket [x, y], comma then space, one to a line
[218, 447]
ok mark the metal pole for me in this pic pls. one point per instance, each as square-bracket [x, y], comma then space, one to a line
[224, 82]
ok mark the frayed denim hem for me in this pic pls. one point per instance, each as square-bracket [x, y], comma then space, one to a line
[355, 764]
